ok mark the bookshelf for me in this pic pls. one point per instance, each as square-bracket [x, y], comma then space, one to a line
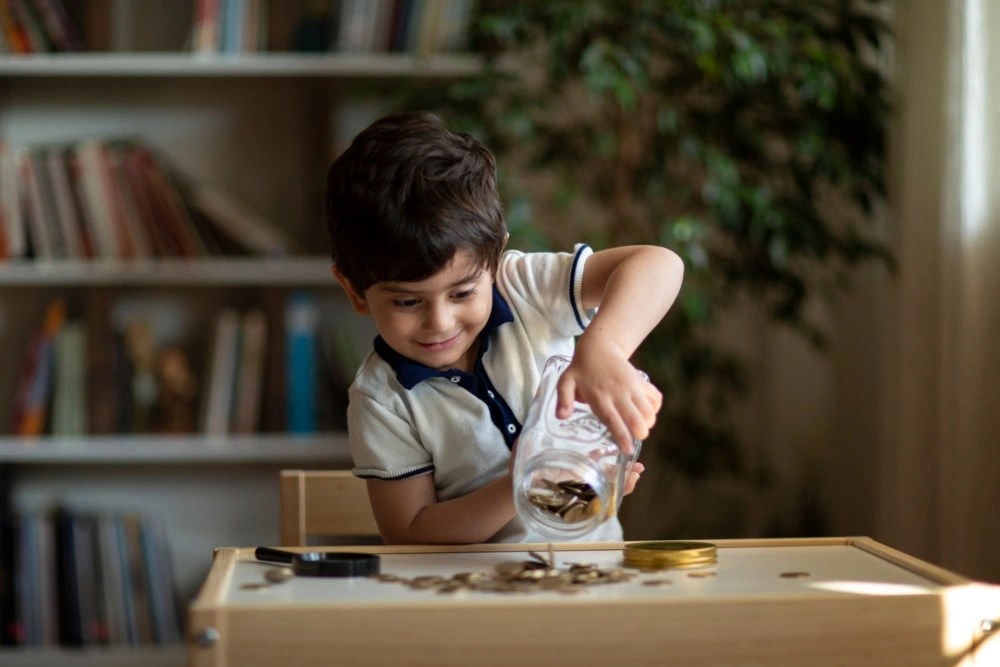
[261, 126]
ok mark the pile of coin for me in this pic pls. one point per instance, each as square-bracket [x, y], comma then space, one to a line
[571, 500]
[659, 555]
[528, 576]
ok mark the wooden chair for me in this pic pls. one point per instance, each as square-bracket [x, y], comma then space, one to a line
[324, 503]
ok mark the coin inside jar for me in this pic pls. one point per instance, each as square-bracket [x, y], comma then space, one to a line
[571, 500]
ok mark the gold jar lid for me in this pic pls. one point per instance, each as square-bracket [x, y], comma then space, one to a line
[669, 553]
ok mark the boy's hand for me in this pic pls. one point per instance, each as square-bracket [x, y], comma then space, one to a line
[619, 396]
[633, 477]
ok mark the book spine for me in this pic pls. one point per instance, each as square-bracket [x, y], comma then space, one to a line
[301, 329]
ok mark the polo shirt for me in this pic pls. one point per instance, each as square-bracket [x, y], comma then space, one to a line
[407, 419]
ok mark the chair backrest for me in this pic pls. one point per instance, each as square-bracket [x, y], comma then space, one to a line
[324, 503]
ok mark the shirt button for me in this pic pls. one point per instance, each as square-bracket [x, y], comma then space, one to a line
[455, 379]
[511, 428]
[490, 394]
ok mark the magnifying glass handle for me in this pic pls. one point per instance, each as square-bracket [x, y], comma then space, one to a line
[273, 555]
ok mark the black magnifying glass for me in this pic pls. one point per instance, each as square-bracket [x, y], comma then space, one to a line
[322, 563]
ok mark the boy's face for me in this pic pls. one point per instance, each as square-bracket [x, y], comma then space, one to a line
[435, 321]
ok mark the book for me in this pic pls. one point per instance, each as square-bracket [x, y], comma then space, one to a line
[126, 207]
[250, 374]
[220, 384]
[8, 553]
[240, 223]
[11, 218]
[69, 400]
[42, 234]
[112, 589]
[205, 39]
[301, 330]
[136, 575]
[63, 33]
[31, 400]
[15, 36]
[161, 240]
[69, 608]
[168, 203]
[158, 571]
[63, 206]
[90, 161]
[34, 36]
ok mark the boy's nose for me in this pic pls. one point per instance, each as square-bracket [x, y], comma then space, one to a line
[438, 318]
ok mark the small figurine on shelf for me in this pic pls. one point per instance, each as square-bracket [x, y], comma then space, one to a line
[177, 388]
[140, 344]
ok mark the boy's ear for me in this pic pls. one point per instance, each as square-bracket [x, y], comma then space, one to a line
[357, 300]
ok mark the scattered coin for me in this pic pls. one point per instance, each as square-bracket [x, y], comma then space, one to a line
[794, 575]
[701, 575]
[255, 586]
[656, 582]
[535, 574]
[278, 575]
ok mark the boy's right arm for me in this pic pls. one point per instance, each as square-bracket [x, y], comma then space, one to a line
[408, 511]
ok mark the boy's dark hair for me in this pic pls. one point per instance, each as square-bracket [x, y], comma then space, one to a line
[406, 195]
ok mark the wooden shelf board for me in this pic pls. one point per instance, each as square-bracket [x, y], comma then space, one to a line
[294, 65]
[290, 271]
[322, 449]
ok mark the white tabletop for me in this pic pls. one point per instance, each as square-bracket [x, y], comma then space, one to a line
[741, 572]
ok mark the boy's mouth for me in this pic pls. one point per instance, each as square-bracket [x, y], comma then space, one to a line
[440, 345]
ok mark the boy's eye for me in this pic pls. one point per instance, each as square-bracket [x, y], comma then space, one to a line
[465, 294]
[405, 303]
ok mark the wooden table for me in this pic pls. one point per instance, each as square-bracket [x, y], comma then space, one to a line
[862, 603]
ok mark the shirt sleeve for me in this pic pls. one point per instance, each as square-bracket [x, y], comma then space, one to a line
[383, 443]
[548, 286]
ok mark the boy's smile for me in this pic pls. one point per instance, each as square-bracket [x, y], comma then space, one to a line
[436, 321]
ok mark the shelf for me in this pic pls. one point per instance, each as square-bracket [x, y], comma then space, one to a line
[208, 272]
[327, 449]
[152, 656]
[325, 65]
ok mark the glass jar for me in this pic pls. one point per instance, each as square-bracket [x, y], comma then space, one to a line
[568, 473]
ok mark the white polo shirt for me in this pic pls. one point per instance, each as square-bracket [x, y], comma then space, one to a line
[407, 419]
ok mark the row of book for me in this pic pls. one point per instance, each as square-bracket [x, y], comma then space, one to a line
[81, 377]
[117, 199]
[82, 579]
[320, 351]
[37, 26]
[346, 26]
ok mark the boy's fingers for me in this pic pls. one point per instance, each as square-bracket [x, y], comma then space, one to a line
[633, 477]
[565, 395]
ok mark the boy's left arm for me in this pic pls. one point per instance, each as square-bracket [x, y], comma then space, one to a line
[633, 286]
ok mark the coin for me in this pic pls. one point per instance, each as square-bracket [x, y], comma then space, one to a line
[656, 582]
[255, 586]
[278, 575]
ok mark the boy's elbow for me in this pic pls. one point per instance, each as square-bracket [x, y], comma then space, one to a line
[670, 262]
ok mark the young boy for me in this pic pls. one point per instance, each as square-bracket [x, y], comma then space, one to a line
[465, 329]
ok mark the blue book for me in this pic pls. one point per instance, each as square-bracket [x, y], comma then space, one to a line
[301, 331]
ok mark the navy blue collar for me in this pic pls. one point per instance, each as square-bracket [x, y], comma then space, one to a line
[410, 372]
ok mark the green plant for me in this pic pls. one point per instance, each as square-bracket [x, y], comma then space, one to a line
[747, 135]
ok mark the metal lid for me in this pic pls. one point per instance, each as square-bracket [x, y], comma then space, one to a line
[669, 553]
